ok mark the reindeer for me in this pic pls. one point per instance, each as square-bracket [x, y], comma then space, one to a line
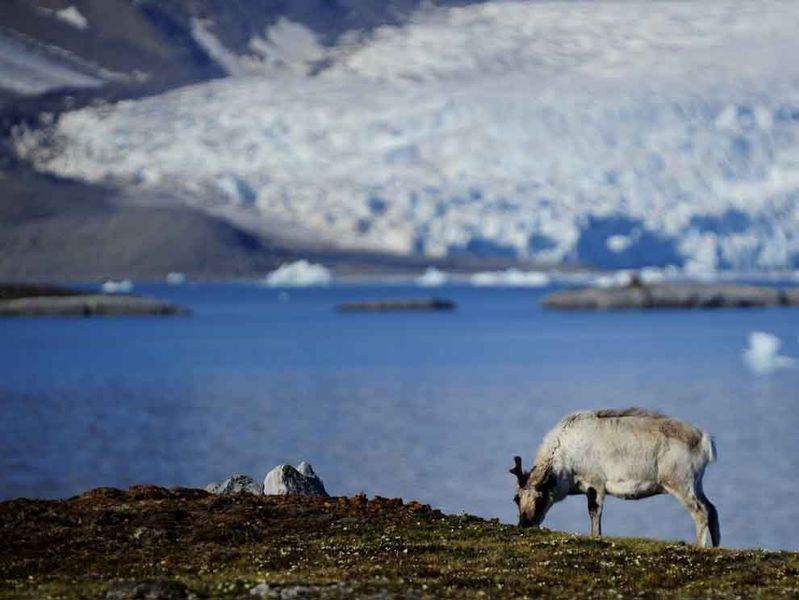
[631, 454]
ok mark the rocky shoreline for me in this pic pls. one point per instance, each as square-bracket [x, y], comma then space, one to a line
[637, 295]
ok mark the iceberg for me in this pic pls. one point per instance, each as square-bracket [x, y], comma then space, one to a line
[124, 286]
[432, 277]
[300, 273]
[762, 355]
[176, 278]
[510, 278]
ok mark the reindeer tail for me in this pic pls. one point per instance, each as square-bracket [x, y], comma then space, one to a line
[708, 447]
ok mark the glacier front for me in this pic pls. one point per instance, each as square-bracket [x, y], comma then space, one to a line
[614, 134]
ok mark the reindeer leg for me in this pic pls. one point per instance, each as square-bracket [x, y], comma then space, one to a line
[596, 498]
[700, 512]
[712, 514]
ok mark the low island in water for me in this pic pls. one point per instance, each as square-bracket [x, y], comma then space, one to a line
[23, 300]
[639, 295]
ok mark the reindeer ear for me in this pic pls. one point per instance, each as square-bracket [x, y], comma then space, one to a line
[517, 470]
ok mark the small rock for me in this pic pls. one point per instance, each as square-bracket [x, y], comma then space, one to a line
[285, 479]
[264, 590]
[147, 589]
[236, 484]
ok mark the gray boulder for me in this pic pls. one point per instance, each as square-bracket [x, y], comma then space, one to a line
[236, 484]
[285, 479]
[154, 589]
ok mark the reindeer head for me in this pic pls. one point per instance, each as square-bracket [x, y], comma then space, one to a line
[534, 493]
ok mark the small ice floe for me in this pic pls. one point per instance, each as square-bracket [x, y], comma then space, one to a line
[510, 277]
[299, 274]
[762, 355]
[432, 277]
[617, 279]
[112, 286]
[176, 278]
[72, 16]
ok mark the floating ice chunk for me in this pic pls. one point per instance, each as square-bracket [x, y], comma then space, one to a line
[176, 278]
[617, 279]
[112, 286]
[763, 354]
[432, 277]
[72, 16]
[299, 274]
[511, 277]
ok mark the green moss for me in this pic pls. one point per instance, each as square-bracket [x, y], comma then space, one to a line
[342, 547]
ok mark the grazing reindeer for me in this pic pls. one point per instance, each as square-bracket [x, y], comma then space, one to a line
[631, 454]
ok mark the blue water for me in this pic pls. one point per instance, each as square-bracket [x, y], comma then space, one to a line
[429, 406]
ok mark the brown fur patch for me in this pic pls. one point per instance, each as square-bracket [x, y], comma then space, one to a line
[668, 426]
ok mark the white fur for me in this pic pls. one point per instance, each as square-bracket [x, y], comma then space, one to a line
[628, 453]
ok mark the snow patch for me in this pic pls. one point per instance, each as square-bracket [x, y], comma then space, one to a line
[28, 69]
[616, 279]
[762, 355]
[289, 45]
[620, 243]
[432, 277]
[299, 274]
[72, 16]
[511, 278]
[236, 189]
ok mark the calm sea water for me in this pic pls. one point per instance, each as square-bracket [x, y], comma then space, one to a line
[425, 406]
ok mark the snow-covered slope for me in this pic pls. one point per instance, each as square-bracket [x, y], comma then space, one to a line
[27, 68]
[613, 133]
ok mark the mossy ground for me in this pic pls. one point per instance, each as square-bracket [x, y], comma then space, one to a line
[223, 546]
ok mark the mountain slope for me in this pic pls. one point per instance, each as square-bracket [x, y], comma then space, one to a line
[53, 229]
[616, 134]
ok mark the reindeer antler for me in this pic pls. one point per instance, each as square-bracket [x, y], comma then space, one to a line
[517, 470]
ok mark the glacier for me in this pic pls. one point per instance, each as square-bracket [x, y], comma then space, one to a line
[612, 134]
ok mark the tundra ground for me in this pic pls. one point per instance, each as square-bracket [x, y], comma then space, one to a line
[180, 543]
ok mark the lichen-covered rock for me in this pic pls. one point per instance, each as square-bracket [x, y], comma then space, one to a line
[285, 479]
[289, 592]
[236, 484]
[147, 589]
